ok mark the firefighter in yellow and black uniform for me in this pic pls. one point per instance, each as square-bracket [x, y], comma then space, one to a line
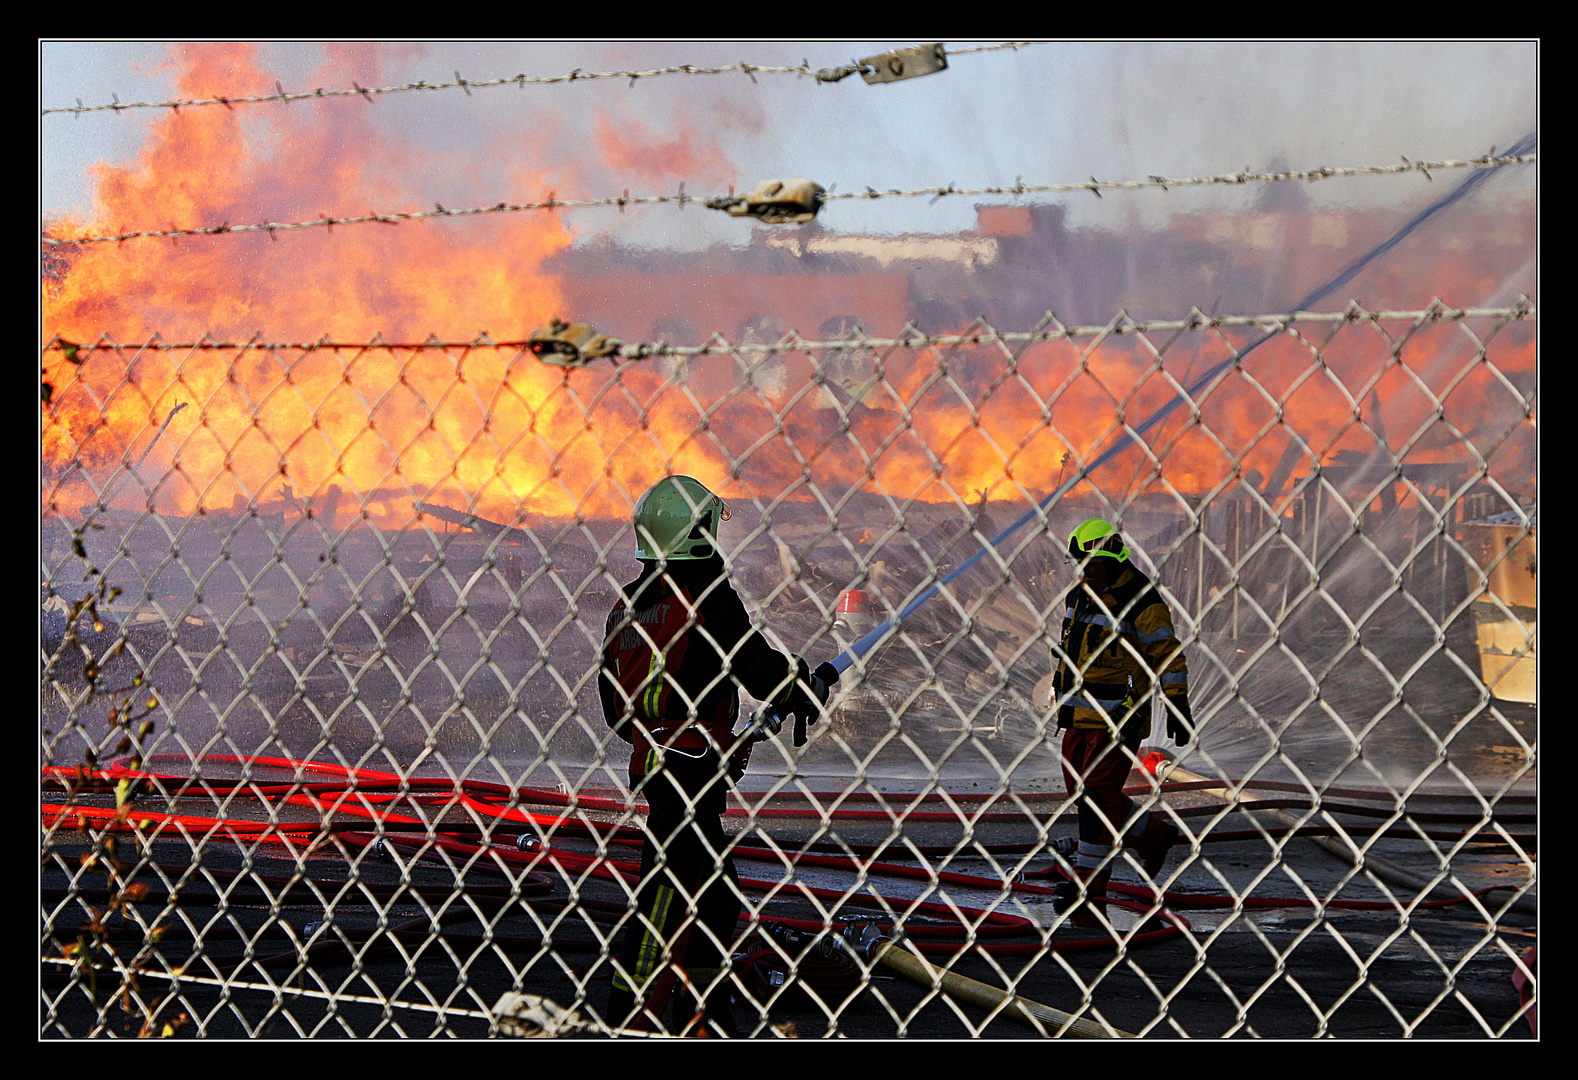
[1118, 647]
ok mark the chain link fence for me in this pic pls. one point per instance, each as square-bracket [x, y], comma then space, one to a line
[321, 624]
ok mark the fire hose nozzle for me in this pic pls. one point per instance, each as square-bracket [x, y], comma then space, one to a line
[767, 723]
[1157, 762]
[822, 946]
[528, 842]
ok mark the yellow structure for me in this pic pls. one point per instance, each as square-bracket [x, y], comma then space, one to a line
[1505, 613]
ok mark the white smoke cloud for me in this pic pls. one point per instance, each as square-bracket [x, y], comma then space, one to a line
[1050, 113]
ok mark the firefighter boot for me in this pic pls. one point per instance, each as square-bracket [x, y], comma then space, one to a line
[621, 1006]
[705, 1017]
[1152, 843]
[720, 1011]
[1088, 911]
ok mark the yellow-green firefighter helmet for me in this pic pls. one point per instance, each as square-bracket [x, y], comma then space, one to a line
[1097, 537]
[678, 519]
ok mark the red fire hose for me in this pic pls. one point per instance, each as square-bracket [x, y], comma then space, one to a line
[371, 796]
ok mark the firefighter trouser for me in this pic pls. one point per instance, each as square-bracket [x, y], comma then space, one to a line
[686, 798]
[1093, 755]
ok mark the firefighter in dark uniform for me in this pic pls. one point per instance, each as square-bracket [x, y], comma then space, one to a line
[1118, 648]
[678, 650]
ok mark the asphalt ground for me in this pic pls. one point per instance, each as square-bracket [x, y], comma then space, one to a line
[1281, 972]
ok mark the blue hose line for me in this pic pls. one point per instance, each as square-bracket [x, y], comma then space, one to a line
[1523, 146]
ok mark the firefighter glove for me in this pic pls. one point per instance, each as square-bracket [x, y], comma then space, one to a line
[740, 758]
[823, 679]
[1180, 724]
[808, 709]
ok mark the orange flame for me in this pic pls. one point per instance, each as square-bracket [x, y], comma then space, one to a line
[201, 167]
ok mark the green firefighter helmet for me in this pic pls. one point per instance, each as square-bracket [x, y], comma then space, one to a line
[1097, 537]
[678, 519]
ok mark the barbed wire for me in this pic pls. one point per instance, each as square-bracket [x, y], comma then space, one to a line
[821, 75]
[1053, 330]
[1245, 176]
[1489, 161]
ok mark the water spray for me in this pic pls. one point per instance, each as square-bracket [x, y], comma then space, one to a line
[845, 659]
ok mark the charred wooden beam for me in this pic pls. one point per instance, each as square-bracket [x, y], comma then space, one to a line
[477, 524]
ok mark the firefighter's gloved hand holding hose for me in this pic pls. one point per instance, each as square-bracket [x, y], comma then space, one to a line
[769, 719]
[806, 709]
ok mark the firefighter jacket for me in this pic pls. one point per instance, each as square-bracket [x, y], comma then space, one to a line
[1118, 647]
[677, 650]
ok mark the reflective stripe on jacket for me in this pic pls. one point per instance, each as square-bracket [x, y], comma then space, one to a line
[1123, 646]
[678, 649]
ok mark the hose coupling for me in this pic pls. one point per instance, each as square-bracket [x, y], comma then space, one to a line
[864, 938]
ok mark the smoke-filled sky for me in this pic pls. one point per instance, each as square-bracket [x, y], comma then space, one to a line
[1049, 113]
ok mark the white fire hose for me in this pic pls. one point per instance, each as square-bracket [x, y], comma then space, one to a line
[1044, 1018]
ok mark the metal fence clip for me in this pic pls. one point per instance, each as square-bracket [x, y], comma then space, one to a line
[902, 64]
[777, 202]
[570, 344]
